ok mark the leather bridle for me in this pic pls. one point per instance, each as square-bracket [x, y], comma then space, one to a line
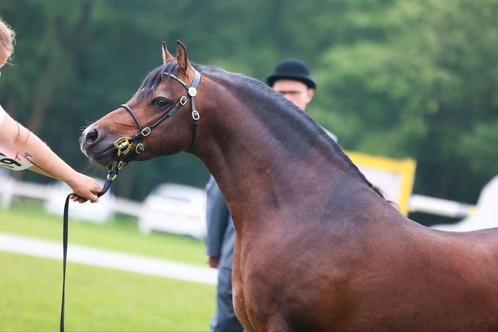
[123, 145]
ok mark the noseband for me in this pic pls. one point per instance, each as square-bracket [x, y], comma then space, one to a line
[123, 145]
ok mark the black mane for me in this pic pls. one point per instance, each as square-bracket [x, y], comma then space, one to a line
[154, 78]
[273, 102]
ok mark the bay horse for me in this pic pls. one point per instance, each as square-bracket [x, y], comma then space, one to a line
[317, 247]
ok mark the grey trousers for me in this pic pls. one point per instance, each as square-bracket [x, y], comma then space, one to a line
[224, 319]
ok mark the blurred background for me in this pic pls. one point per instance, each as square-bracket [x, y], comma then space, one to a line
[398, 79]
[395, 78]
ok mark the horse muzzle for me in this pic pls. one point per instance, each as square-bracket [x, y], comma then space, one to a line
[98, 146]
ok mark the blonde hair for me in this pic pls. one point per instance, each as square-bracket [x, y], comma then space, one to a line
[7, 37]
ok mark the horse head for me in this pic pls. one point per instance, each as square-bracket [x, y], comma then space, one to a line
[162, 101]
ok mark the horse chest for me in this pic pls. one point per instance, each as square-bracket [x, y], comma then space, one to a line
[286, 283]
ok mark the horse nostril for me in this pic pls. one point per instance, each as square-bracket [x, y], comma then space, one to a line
[92, 136]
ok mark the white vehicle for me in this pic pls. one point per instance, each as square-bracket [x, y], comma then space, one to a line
[486, 214]
[95, 212]
[175, 208]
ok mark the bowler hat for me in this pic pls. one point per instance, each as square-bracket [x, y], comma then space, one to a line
[292, 69]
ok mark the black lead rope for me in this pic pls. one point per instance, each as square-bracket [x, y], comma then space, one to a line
[64, 257]
[65, 225]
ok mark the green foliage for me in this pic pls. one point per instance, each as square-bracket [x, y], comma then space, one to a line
[396, 78]
[425, 91]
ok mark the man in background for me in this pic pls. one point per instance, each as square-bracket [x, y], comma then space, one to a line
[219, 248]
[291, 78]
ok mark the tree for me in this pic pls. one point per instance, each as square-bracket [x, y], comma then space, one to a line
[425, 91]
[395, 78]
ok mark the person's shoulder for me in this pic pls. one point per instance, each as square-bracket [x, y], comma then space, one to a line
[333, 136]
[212, 188]
[210, 183]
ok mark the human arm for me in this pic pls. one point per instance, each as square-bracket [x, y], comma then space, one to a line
[27, 146]
[217, 218]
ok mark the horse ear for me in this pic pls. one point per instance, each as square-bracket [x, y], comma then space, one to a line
[167, 57]
[181, 56]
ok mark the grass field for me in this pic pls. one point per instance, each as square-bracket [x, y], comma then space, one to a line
[120, 234]
[98, 299]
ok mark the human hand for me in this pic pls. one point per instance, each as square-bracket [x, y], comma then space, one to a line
[213, 261]
[84, 187]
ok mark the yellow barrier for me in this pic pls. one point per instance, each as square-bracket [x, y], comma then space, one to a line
[404, 168]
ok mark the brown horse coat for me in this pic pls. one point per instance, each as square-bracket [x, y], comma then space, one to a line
[317, 248]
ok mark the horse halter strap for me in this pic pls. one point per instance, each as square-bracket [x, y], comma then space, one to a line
[124, 144]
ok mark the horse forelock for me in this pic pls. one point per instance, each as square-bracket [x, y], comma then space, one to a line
[154, 78]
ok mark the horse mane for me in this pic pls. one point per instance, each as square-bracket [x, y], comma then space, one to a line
[275, 101]
[154, 78]
[272, 101]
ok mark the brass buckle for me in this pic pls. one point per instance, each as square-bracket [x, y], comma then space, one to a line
[123, 145]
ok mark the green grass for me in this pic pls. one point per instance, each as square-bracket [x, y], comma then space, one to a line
[97, 299]
[121, 234]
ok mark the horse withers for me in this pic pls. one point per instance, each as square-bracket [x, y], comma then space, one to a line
[317, 247]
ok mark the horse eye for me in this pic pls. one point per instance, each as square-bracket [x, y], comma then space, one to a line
[159, 101]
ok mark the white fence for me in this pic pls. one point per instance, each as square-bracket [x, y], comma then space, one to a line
[11, 189]
[441, 207]
[417, 203]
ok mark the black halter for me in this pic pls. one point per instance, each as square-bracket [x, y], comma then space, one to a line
[123, 145]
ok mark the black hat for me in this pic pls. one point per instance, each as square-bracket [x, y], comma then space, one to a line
[292, 69]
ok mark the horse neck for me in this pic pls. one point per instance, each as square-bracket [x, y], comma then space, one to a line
[264, 159]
